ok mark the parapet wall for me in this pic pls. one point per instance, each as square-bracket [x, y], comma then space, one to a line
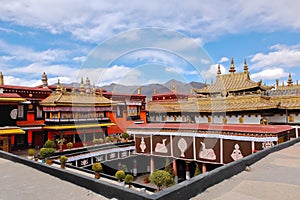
[183, 190]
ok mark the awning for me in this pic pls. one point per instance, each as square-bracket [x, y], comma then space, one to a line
[77, 126]
[11, 131]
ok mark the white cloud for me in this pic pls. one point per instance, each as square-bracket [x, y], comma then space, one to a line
[269, 74]
[18, 52]
[98, 20]
[80, 59]
[223, 59]
[181, 71]
[279, 56]
[211, 73]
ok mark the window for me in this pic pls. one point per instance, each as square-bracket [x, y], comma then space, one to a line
[38, 112]
[21, 111]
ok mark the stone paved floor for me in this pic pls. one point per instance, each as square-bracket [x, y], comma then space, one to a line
[276, 177]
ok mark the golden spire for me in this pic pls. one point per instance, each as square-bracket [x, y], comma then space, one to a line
[58, 88]
[232, 70]
[88, 85]
[1, 79]
[219, 69]
[290, 80]
[139, 90]
[174, 88]
[277, 84]
[154, 91]
[245, 65]
[45, 80]
[81, 89]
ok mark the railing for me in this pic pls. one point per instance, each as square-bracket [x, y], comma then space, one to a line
[76, 120]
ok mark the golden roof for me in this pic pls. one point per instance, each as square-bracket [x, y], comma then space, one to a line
[232, 82]
[229, 104]
[71, 99]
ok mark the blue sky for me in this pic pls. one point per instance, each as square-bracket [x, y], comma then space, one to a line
[139, 42]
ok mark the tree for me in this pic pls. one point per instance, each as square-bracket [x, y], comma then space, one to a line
[160, 178]
[120, 175]
[128, 179]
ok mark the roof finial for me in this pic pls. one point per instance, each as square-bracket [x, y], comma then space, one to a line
[290, 80]
[1, 79]
[219, 69]
[88, 85]
[139, 90]
[154, 91]
[81, 89]
[58, 88]
[45, 80]
[232, 70]
[245, 65]
[174, 88]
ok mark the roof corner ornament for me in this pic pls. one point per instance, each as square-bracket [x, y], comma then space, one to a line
[232, 69]
[245, 65]
[219, 69]
[290, 80]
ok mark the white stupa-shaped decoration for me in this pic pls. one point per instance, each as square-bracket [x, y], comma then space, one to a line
[182, 145]
[143, 145]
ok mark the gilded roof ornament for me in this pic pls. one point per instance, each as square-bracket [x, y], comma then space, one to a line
[81, 89]
[232, 69]
[219, 70]
[58, 88]
[245, 65]
[290, 80]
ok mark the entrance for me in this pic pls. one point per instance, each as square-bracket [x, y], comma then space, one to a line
[38, 139]
[4, 144]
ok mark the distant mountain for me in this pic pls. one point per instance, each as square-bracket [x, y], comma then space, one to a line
[147, 90]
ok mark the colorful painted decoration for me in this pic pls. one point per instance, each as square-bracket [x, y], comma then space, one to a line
[236, 153]
[182, 145]
[208, 154]
[267, 144]
[143, 145]
[161, 147]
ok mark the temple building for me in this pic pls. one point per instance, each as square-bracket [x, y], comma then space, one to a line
[29, 116]
[78, 116]
[231, 118]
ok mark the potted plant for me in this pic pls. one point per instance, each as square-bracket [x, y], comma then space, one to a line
[69, 145]
[125, 136]
[128, 179]
[111, 138]
[45, 153]
[95, 141]
[100, 140]
[31, 153]
[107, 139]
[120, 175]
[63, 160]
[97, 167]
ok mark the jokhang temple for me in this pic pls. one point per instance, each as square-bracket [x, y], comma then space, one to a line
[220, 123]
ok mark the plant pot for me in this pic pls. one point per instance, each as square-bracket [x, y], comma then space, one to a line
[63, 165]
[30, 157]
[97, 175]
[36, 159]
[49, 161]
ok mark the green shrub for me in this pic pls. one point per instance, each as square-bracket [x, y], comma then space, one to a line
[63, 159]
[49, 144]
[31, 152]
[69, 145]
[46, 152]
[97, 167]
[120, 175]
[160, 178]
[197, 170]
[125, 135]
[128, 179]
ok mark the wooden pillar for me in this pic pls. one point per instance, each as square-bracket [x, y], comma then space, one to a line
[175, 171]
[187, 171]
[134, 167]
[203, 167]
[151, 164]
